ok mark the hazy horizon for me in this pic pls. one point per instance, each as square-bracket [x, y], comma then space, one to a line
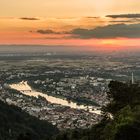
[64, 50]
[111, 25]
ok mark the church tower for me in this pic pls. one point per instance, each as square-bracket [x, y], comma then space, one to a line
[132, 80]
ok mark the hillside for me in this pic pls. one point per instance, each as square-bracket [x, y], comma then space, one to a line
[125, 125]
[18, 125]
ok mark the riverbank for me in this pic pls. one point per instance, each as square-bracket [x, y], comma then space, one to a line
[25, 89]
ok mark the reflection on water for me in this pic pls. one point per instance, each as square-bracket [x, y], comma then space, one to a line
[25, 89]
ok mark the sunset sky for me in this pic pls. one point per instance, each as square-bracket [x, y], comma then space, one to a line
[105, 24]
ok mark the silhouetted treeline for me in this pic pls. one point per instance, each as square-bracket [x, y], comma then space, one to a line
[18, 125]
[121, 120]
[122, 124]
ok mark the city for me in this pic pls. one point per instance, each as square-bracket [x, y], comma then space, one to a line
[62, 79]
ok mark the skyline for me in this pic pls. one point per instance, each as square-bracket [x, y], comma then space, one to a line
[112, 23]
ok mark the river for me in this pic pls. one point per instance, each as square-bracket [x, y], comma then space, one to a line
[25, 89]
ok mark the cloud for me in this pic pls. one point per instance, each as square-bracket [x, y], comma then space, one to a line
[124, 16]
[50, 32]
[27, 18]
[45, 31]
[126, 21]
[121, 21]
[92, 17]
[109, 31]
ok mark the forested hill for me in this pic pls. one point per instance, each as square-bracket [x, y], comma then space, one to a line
[18, 125]
[125, 124]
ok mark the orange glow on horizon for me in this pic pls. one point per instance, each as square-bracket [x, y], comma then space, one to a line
[86, 44]
[46, 22]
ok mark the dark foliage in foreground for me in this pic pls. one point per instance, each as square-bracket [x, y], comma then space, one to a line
[125, 125]
[18, 125]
